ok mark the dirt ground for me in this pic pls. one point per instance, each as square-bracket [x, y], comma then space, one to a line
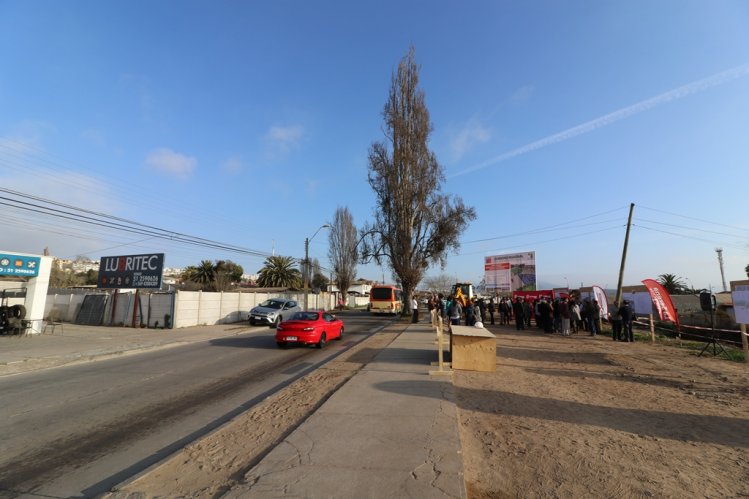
[589, 417]
[561, 417]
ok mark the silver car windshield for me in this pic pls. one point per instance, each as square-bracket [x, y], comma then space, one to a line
[272, 304]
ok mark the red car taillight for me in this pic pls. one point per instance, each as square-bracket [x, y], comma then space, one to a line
[308, 329]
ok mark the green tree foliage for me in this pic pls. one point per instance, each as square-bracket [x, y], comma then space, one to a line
[674, 285]
[279, 272]
[213, 276]
[60, 278]
[415, 224]
[342, 249]
[746, 269]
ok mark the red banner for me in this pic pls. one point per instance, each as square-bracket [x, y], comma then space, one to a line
[662, 301]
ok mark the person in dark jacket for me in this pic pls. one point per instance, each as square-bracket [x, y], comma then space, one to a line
[627, 315]
[527, 312]
[545, 316]
[517, 310]
[468, 310]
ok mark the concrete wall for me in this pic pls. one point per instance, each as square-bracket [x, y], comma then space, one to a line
[194, 308]
[185, 308]
[357, 301]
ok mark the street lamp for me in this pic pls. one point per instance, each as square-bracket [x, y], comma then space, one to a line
[306, 262]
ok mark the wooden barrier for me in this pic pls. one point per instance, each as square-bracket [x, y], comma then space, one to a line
[473, 349]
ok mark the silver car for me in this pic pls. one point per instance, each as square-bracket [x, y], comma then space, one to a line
[274, 311]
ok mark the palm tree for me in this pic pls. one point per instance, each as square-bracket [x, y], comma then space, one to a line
[204, 273]
[279, 272]
[674, 285]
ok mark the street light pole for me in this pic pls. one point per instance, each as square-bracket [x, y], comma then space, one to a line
[306, 263]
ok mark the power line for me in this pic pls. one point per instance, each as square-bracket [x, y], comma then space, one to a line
[689, 237]
[115, 223]
[691, 228]
[525, 245]
[697, 219]
[549, 228]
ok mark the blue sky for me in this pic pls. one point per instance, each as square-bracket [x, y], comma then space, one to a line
[249, 123]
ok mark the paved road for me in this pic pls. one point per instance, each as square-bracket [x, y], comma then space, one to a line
[78, 430]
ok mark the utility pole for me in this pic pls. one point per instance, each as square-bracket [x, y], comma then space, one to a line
[306, 263]
[618, 299]
[719, 251]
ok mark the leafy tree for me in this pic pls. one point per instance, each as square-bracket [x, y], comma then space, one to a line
[226, 272]
[204, 273]
[213, 276]
[61, 278]
[279, 272]
[318, 280]
[90, 277]
[415, 224]
[674, 285]
[746, 269]
[342, 252]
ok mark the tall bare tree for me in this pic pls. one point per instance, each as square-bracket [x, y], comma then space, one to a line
[343, 252]
[415, 224]
[442, 283]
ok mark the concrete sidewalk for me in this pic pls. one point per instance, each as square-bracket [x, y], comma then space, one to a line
[74, 343]
[391, 431]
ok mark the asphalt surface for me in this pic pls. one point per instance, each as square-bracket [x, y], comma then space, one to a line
[390, 431]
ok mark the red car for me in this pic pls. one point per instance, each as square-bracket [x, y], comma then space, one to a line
[309, 328]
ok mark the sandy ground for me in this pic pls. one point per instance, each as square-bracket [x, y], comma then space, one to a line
[561, 417]
[589, 417]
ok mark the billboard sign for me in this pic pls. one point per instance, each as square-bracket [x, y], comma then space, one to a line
[17, 265]
[508, 273]
[131, 271]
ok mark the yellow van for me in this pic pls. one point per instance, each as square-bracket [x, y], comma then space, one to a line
[385, 299]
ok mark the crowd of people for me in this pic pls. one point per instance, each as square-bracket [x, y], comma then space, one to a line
[563, 316]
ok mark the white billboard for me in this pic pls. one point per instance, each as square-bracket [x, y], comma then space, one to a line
[513, 272]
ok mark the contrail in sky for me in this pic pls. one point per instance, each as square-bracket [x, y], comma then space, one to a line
[589, 126]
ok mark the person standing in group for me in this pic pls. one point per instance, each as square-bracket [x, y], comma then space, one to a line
[575, 317]
[594, 317]
[557, 318]
[527, 312]
[477, 315]
[481, 310]
[430, 308]
[517, 310]
[490, 308]
[507, 311]
[564, 314]
[627, 315]
[456, 311]
[616, 322]
[468, 310]
[415, 310]
[439, 305]
[546, 316]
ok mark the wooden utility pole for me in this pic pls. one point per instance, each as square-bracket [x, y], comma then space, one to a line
[618, 299]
